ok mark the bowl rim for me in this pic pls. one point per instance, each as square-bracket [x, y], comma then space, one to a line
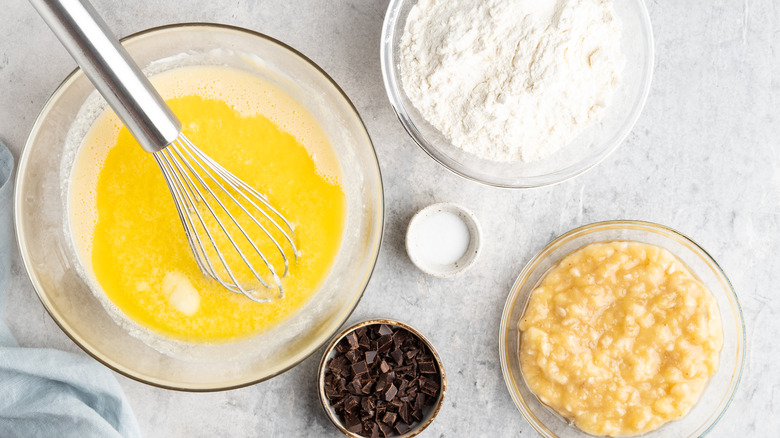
[337, 338]
[20, 228]
[513, 294]
[394, 96]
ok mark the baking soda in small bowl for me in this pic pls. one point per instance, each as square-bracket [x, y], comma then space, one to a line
[443, 239]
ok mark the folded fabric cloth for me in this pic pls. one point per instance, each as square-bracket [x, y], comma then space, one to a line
[51, 393]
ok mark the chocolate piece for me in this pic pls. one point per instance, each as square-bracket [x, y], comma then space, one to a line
[428, 386]
[362, 331]
[401, 428]
[399, 337]
[371, 429]
[402, 387]
[385, 329]
[351, 402]
[353, 356]
[385, 343]
[331, 393]
[352, 339]
[364, 343]
[389, 418]
[398, 356]
[384, 367]
[405, 414]
[352, 423]
[427, 367]
[391, 392]
[359, 368]
[371, 357]
[419, 402]
[337, 365]
[368, 404]
[355, 387]
[385, 429]
[341, 384]
[366, 389]
[396, 404]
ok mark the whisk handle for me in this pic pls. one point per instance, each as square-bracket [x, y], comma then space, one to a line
[111, 69]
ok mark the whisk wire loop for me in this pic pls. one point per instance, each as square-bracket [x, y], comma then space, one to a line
[243, 208]
[219, 222]
[194, 179]
[199, 156]
[181, 181]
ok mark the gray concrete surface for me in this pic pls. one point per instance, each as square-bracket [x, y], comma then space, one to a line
[704, 158]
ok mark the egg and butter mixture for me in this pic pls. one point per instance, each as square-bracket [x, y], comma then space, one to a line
[620, 338]
[129, 236]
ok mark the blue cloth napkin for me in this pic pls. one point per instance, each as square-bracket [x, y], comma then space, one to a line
[51, 393]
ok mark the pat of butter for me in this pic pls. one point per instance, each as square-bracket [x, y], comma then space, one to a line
[181, 293]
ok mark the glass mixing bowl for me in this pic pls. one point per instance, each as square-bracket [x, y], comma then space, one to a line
[721, 388]
[56, 273]
[586, 151]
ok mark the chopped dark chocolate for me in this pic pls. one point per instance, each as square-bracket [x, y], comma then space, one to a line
[368, 404]
[352, 339]
[364, 343]
[397, 356]
[385, 343]
[368, 387]
[396, 404]
[359, 368]
[362, 331]
[381, 380]
[419, 402]
[389, 418]
[355, 387]
[386, 430]
[351, 402]
[391, 392]
[404, 413]
[352, 422]
[353, 356]
[371, 430]
[427, 367]
[401, 428]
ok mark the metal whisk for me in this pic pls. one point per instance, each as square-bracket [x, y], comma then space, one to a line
[215, 207]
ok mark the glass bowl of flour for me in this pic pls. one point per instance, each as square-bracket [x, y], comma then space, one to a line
[517, 93]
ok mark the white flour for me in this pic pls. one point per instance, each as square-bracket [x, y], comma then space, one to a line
[511, 80]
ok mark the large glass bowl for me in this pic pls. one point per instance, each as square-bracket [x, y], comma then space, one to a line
[586, 151]
[720, 390]
[55, 271]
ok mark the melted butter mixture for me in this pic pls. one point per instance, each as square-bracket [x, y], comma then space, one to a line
[127, 230]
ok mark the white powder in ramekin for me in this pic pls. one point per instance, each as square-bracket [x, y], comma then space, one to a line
[511, 80]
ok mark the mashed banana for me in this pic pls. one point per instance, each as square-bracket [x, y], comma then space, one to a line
[620, 338]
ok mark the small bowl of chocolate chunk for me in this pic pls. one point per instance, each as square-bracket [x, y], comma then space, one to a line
[381, 378]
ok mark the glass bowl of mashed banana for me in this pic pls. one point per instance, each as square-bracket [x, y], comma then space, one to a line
[105, 249]
[622, 328]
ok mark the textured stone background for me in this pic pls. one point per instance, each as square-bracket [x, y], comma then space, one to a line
[704, 159]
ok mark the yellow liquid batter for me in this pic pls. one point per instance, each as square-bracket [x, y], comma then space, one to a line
[126, 226]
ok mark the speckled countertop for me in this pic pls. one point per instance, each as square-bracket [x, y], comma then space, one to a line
[704, 158]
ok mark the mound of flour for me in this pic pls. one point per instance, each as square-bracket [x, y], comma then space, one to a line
[511, 80]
